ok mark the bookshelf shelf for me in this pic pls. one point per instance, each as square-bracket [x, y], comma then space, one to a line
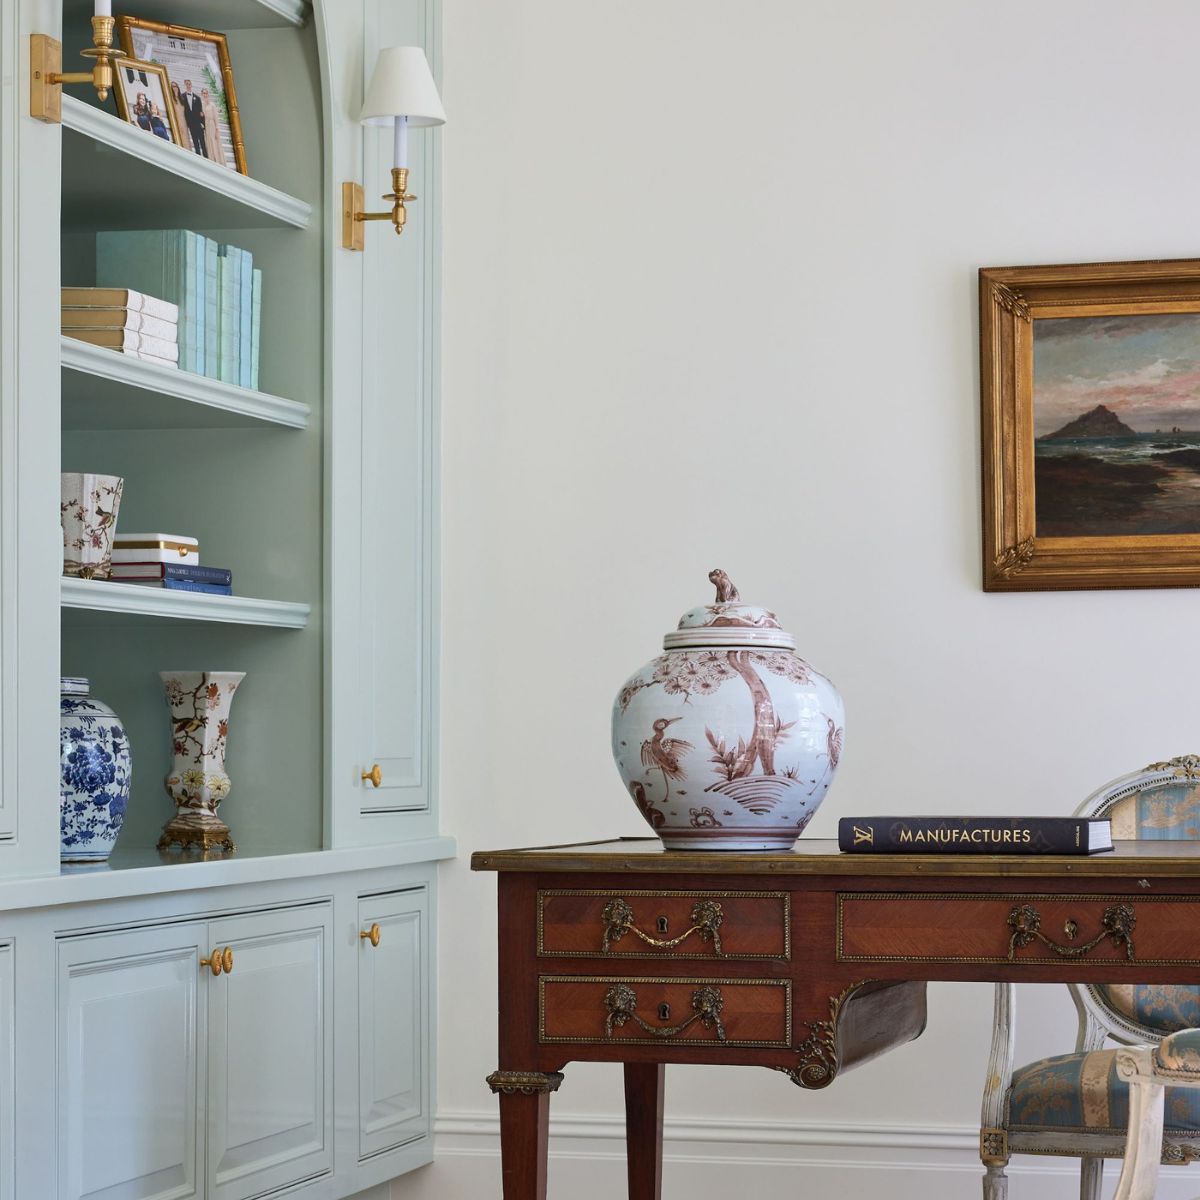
[83, 596]
[102, 389]
[107, 164]
[208, 14]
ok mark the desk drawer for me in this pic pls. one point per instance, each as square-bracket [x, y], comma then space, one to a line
[731, 1012]
[1018, 928]
[663, 924]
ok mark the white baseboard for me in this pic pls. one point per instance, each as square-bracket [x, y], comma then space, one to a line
[718, 1159]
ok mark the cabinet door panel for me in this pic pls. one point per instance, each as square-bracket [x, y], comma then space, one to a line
[7, 1073]
[393, 1013]
[129, 1067]
[270, 1065]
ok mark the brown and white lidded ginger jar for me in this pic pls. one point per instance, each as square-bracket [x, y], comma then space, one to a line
[728, 740]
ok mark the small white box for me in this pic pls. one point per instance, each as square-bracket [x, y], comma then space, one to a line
[156, 547]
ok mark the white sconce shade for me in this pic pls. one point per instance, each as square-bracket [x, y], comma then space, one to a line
[402, 86]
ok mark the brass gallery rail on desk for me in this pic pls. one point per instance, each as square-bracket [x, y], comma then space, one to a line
[807, 962]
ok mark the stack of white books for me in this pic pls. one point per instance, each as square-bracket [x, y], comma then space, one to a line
[124, 320]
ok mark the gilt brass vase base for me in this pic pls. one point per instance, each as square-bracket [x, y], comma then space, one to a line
[187, 835]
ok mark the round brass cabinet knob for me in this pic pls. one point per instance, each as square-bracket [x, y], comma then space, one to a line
[227, 960]
[375, 775]
[214, 964]
[372, 935]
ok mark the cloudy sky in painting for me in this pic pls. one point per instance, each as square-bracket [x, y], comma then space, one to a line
[1145, 368]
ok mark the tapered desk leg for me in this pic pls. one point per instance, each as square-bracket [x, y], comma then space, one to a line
[524, 1130]
[644, 1089]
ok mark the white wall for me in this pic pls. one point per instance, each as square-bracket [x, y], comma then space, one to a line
[710, 300]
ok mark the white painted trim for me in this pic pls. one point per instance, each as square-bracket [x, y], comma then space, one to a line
[710, 1157]
[148, 875]
[727, 1132]
[103, 127]
[97, 595]
[100, 362]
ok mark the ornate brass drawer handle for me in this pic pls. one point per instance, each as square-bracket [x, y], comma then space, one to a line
[706, 921]
[1026, 925]
[620, 1003]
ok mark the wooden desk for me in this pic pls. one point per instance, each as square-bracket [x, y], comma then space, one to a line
[807, 963]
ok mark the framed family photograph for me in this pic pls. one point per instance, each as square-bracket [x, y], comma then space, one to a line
[143, 94]
[200, 85]
[1091, 425]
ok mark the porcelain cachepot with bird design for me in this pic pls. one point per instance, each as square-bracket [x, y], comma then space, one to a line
[728, 740]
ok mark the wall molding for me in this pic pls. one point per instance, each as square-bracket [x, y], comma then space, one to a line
[710, 1157]
[475, 1126]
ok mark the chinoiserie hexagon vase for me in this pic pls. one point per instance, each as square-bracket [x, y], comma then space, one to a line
[728, 740]
[199, 702]
[94, 774]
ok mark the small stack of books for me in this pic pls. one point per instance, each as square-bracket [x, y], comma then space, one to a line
[124, 320]
[166, 560]
[216, 286]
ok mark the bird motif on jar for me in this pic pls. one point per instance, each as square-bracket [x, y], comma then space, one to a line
[662, 753]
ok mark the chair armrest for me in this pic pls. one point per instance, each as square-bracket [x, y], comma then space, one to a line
[1143, 1144]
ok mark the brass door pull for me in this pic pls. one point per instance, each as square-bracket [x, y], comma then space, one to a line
[620, 1004]
[219, 960]
[1026, 924]
[375, 775]
[371, 935]
[617, 916]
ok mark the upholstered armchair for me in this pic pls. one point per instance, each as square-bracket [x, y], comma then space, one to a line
[1149, 1071]
[1077, 1104]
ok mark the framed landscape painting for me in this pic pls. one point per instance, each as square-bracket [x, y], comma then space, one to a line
[1091, 425]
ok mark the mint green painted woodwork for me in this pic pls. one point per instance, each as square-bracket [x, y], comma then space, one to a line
[253, 497]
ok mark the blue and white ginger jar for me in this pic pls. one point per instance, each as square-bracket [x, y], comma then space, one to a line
[95, 773]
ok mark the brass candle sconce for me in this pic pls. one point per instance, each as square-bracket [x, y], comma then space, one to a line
[402, 93]
[46, 76]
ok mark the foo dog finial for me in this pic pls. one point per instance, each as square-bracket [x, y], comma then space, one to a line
[726, 592]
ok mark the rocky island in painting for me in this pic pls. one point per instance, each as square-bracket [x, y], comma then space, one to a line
[1116, 407]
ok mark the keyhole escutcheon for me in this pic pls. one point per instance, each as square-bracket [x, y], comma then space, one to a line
[664, 1011]
[663, 925]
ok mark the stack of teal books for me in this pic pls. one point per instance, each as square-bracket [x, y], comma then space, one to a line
[217, 287]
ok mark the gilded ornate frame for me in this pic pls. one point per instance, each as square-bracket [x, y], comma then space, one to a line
[160, 73]
[125, 27]
[1011, 299]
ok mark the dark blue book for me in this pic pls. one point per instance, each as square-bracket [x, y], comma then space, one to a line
[974, 835]
[156, 572]
[189, 585]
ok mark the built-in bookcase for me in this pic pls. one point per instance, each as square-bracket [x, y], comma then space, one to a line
[240, 470]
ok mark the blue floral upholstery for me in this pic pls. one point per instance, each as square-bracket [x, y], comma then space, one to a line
[1160, 812]
[1178, 1056]
[1081, 1091]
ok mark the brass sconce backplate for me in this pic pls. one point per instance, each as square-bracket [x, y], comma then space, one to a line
[353, 203]
[45, 61]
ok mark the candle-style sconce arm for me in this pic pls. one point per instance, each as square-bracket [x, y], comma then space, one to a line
[354, 209]
[46, 76]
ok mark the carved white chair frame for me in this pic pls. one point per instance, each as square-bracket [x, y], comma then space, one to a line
[1147, 1098]
[1097, 1023]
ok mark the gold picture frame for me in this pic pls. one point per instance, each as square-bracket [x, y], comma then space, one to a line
[127, 76]
[205, 124]
[1091, 441]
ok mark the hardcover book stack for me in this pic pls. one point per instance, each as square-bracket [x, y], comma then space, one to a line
[169, 561]
[124, 320]
[217, 288]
